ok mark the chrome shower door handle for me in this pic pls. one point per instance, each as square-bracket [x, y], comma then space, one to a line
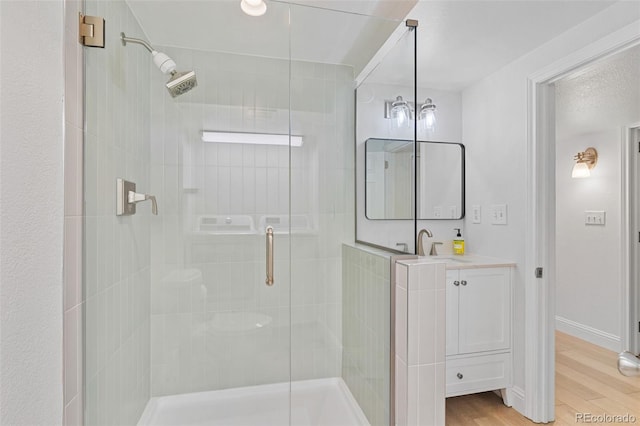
[269, 234]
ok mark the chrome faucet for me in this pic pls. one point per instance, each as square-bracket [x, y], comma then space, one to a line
[420, 245]
[433, 251]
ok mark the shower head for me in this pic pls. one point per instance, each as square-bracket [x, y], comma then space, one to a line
[180, 82]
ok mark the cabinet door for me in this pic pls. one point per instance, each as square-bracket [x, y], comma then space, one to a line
[484, 310]
[452, 312]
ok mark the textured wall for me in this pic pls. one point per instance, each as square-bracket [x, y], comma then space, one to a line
[591, 109]
[31, 212]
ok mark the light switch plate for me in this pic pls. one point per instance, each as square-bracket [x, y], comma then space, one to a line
[476, 214]
[594, 217]
[499, 214]
[453, 212]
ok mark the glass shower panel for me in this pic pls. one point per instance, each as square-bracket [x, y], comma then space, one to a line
[385, 175]
[177, 303]
[336, 342]
[233, 330]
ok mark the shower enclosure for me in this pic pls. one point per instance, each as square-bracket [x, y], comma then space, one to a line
[253, 173]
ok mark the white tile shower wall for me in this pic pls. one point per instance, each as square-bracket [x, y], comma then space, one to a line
[366, 330]
[201, 280]
[420, 344]
[117, 249]
[72, 266]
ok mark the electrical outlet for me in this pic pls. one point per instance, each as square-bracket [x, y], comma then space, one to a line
[595, 218]
[476, 214]
[437, 212]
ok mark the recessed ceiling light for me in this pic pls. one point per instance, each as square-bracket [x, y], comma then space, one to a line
[253, 7]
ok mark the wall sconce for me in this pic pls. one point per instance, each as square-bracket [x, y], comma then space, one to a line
[401, 113]
[585, 161]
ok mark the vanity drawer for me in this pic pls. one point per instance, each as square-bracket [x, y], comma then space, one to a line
[477, 374]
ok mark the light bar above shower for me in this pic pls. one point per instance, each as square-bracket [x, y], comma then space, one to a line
[251, 138]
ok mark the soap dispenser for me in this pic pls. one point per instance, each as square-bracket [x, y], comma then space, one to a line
[458, 243]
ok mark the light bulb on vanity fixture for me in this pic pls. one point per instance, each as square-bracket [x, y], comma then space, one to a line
[400, 113]
[427, 115]
[253, 7]
[585, 161]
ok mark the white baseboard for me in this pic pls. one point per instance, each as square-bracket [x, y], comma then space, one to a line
[516, 397]
[590, 334]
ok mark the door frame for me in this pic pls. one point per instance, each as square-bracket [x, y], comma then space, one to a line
[630, 308]
[540, 232]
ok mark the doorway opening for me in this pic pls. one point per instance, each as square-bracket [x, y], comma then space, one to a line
[545, 168]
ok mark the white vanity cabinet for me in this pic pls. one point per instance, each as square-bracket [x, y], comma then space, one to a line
[452, 323]
[478, 329]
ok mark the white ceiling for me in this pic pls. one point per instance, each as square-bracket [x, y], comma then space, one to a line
[459, 41]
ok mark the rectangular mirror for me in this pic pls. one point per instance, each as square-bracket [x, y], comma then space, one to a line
[389, 187]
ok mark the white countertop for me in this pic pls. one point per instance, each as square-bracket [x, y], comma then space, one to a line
[467, 261]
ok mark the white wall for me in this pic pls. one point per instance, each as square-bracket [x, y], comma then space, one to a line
[494, 133]
[591, 109]
[31, 209]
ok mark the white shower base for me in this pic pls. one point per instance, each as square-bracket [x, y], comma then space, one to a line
[321, 402]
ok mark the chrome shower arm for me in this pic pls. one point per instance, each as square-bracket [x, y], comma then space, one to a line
[126, 40]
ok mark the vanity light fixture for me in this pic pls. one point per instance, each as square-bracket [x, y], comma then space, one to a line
[585, 161]
[253, 7]
[251, 138]
[401, 113]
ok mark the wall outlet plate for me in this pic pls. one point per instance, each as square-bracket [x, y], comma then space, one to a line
[595, 218]
[499, 214]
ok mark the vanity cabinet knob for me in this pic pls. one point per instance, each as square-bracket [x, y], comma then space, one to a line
[456, 283]
[459, 376]
[463, 282]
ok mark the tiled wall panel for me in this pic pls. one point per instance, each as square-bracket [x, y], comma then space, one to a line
[366, 330]
[420, 344]
[116, 271]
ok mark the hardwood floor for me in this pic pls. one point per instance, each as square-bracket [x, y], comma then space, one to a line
[587, 381]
